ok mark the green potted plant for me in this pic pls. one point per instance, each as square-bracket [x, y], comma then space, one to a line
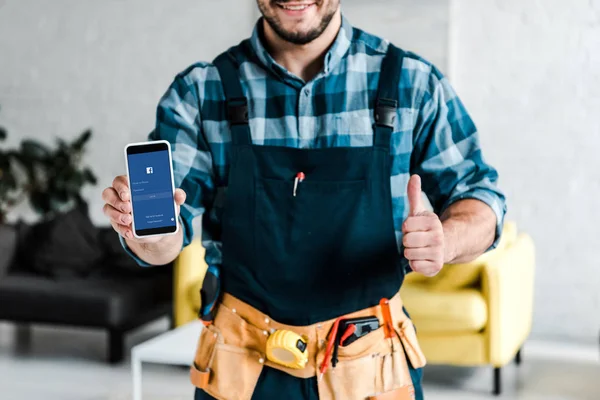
[55, 176]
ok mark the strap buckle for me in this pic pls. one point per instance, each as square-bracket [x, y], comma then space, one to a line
[237, 111]
[385, 112]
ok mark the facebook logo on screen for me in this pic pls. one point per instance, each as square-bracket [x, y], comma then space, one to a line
[151, 190]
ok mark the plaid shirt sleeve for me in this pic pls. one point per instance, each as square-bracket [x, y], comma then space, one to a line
[178, 122]
[447, 153]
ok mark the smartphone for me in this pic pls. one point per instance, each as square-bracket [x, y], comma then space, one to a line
[150, 176]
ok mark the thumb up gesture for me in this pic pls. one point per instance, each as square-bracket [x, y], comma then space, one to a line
[423, 234]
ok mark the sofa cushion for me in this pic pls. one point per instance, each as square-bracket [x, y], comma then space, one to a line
[66, 245]
[436, 312]
[111, 300]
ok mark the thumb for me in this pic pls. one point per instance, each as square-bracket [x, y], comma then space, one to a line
[415, 201]
[179, 196]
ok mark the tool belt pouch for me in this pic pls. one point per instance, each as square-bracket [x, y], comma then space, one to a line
[225, 371]
[375, 368]
[408, 336]
[368, 369]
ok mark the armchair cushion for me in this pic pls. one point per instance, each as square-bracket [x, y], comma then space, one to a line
[437, 312]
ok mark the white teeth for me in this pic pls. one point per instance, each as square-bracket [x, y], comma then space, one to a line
[295, 8]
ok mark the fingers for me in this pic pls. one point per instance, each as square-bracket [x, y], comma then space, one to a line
[121, 187]
[425, 267]
[416, 239]
[118, 206]
[423, 241]
[116, 216]
[110, 196]
[422, 254]
[122, 230]
[421, 223]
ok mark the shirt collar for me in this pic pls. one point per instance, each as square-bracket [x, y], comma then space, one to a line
[334, 56]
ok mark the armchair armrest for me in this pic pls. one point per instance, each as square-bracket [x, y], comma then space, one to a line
[189, 269]
[508, 287]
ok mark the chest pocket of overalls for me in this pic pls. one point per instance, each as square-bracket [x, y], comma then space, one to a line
[295, 230]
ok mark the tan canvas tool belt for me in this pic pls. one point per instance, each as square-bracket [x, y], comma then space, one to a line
[231, 355]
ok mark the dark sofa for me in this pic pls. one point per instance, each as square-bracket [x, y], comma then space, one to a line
[113, 294]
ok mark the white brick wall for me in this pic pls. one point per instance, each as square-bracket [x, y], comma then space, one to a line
[529, 72]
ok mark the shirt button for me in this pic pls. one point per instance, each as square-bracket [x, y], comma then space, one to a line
[307, 91]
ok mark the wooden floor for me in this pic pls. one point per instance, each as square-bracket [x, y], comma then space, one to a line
[67, 364]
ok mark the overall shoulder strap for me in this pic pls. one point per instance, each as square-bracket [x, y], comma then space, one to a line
[236, 104]
[386, 104]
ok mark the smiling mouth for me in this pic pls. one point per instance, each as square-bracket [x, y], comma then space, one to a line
[295, 6]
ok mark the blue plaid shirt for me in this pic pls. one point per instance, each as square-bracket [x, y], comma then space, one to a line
[433, 131]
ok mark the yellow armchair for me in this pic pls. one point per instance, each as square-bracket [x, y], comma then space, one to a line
[479, 313]
[189, 270]
[473, 314]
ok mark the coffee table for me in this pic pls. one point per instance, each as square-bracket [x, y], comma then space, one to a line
[175, 347]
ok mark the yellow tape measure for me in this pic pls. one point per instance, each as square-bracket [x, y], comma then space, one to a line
[287, 348]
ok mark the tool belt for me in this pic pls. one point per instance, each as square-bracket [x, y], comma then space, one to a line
[231, 354]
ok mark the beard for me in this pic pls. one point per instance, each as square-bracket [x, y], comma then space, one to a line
[295, 37]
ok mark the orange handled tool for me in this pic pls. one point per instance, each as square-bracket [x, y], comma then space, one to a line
[388, 325]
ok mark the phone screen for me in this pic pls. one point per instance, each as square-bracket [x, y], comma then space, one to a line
[149, 168]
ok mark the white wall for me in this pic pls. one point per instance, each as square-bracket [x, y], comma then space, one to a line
[529, 72]
[417, 25]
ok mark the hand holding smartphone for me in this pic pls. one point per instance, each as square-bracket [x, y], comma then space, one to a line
[144, 205]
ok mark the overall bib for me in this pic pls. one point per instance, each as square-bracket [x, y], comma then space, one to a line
[305, 252]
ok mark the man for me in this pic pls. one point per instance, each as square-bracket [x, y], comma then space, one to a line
[307, 147]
